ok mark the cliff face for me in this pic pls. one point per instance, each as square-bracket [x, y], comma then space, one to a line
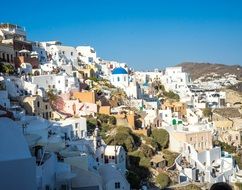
[200, 69]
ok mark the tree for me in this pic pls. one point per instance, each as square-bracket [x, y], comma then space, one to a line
[91, 125]
[139, 164]
[161, 137]
[6, 68]
[225, 147]
[162, 180]
[112, 120]
[103, 118]
[133, 179]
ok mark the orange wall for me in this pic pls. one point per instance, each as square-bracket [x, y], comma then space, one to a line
[105, 110]
[89, 97]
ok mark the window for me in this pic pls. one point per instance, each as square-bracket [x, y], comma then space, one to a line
[63, 52]
[117, 185]
[8, 58]
[71, 53]
[118, 79]
[46, 107]
[38, 104]
[113, 157]
[90, 59]
[76, 125]
[190, 138]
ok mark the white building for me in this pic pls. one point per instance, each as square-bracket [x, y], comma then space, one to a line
[16, 163]
[120, 79]
[211, 166]
[75, 128]
[62, 83]
[202, 98]
[148, 76]
[40, 50]
[86, 54]
[176, 80]
[62, 55]
[112, 178]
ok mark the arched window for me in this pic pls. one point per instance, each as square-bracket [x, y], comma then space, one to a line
[118, 79]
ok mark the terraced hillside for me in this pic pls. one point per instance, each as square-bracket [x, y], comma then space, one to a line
[201, 69]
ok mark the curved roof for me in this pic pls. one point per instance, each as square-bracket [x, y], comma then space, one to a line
[118, 71]
[13, 145]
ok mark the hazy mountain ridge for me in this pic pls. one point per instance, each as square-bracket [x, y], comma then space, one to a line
[201, 69]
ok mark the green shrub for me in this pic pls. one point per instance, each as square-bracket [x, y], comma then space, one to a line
[170, 157]
[95, 79]
[6, 68]
[103, 118]
[152, 142]
[162, 180]
[125, 138]
[91, 125]
[161, 137]
[225, 147]
[171, 95]
[133, 179]
[112, 120]
[207, 112]
[148, 151]
[139, 164]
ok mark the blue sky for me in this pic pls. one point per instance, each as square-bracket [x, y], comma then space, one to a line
[145, 34]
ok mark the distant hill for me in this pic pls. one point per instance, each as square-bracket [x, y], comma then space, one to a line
[200, 69]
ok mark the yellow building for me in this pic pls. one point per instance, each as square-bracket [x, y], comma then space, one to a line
[176, 107]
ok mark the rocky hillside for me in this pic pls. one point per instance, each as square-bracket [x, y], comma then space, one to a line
[201, 69]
